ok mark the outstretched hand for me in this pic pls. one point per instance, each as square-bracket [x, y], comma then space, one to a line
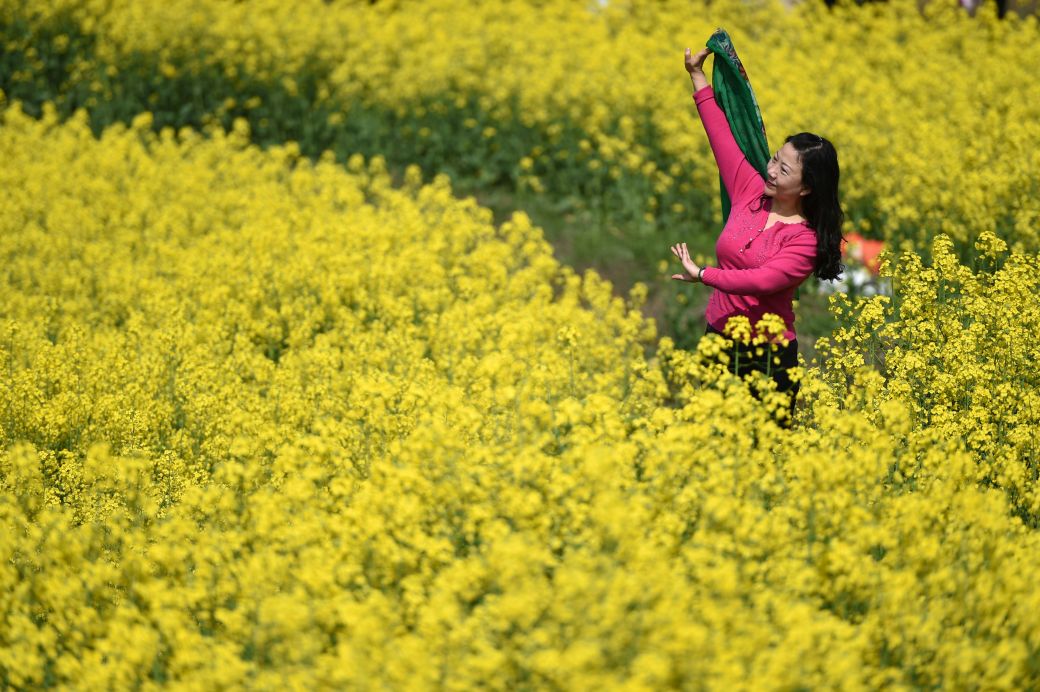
[695, 62]
[680, 251]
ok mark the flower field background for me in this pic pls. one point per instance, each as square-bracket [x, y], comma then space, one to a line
[581, 118]
[282, 406]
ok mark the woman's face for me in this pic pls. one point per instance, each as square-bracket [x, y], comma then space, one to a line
[784, 174]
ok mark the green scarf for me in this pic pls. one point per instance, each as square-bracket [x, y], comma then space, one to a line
[736, 99]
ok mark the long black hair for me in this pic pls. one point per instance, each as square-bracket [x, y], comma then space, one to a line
[821, 206]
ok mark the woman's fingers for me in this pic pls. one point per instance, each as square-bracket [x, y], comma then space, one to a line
[694, 61]
[683, 253]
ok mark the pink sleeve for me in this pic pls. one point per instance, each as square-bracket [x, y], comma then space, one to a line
[794, 262]
[738, 175]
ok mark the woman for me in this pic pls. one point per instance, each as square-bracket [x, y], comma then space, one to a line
[780, 229]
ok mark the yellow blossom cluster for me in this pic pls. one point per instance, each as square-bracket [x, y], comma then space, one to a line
[956, 346]
[934, 113]
[273, 422]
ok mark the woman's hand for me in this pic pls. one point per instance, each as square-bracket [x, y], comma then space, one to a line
[695, 63]
[680, 251]
[695, 66]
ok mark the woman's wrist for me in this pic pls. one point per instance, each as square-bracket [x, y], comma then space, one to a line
[700, 274]
[699, 80]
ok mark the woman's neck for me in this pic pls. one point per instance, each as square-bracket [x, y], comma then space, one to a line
[786, 208]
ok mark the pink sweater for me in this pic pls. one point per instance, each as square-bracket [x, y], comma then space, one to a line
[760, 277]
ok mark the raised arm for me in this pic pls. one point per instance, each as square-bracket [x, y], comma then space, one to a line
[795, 261]
[738, 175]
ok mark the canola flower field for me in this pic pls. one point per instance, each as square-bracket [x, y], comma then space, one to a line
[581, 116]
[280, 413]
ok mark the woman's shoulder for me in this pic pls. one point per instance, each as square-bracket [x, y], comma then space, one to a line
[753, 190]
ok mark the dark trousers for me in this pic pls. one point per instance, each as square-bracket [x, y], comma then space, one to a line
[742, 360]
